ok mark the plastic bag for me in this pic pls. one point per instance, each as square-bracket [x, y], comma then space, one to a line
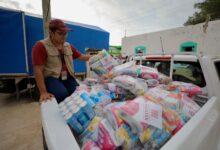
[100, 96]
[106, 138]
[154, 138]
[112, 114]
[165, 98]
[163, 79]
[90, 145]
[129, 83]
[152, 82]
[77, 113]
[145, 72]
[129, 139]
[128, 68]
[102, 63]
[187, 88]
[90, 81]
[141, 119]
[138, 113]
[188, 108]
[173, 117]
[93, 126]
[177, 101]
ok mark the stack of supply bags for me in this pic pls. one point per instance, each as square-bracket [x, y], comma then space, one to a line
[141, 122]
[149, 109]
[135, 86]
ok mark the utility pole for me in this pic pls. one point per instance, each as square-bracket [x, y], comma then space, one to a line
[46, 15]
[161, 42]
[125, 33]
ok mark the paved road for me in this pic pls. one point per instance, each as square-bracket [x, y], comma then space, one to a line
[20, 123]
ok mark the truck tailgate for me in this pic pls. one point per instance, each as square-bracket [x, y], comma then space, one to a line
[57, 133]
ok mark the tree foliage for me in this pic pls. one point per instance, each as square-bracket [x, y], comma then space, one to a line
[207, 8]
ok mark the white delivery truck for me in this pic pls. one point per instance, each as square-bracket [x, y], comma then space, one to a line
[201, 132]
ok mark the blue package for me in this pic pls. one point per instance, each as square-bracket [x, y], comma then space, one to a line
[86, 98]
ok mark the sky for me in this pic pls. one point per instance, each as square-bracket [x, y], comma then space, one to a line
[119, 17]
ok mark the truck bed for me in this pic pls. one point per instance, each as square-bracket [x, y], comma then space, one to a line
[201, 132]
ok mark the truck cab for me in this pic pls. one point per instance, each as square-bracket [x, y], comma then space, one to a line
[185, 67]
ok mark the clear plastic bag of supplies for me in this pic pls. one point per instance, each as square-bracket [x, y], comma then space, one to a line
[129, 139]
[138, 113]
[165, 98]
[104, 137]
[77, 113]
[140, 123]
[152, 82]
[102, 63]
[91, 129]
[163, 79]
[154, 138]
[100, 96]
[188, 108]
[90, 145]
[177, 101]
[145, 72]
[118, 93]
[136, 86]
[91, 81]
[187, 88]
[141, 112]
[128, 68]
[112, 114]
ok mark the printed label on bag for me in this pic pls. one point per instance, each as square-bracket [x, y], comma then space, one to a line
[152, 114]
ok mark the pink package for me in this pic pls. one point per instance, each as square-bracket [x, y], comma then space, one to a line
[147, 72]
[165, 98]
[188, 88]
[172, 121]
[90, 145]
[139, 113]
[112, 114]
[106, 139]
[171, 107]
[188, 106]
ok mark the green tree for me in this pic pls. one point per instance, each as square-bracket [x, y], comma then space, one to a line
[207, 8]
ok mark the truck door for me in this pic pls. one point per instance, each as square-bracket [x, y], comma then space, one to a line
[211, 67]
[189, 72]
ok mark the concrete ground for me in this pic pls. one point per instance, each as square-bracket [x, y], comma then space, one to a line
[20, 123]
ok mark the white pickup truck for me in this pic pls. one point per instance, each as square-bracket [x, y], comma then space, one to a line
[201, 132]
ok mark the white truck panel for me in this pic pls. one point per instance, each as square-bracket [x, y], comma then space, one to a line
[58, 135]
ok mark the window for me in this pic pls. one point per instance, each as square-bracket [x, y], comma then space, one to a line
[189, 46]
[188, 49]
[217, 66]
[162, 66]
[189, 72]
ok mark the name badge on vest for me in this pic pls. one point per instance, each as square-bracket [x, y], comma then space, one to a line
[64, 75]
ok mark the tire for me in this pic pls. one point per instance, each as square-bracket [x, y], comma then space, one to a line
[7, 86]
